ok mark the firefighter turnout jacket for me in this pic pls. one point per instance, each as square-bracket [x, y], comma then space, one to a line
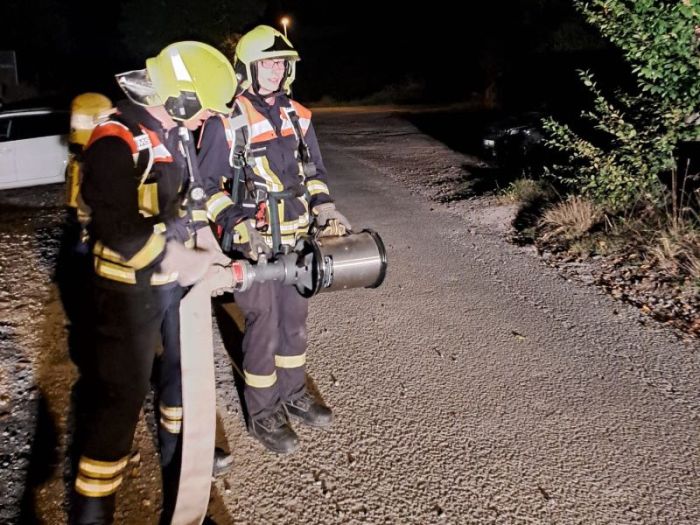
[263, 140]
[135, 180]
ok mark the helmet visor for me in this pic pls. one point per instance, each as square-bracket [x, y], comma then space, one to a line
[185, 106]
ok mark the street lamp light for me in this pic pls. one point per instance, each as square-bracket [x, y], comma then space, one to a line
[285, 23]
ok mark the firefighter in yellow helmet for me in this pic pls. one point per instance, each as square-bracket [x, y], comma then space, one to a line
[150, 239]
[268, 152]
[86, 111]
[73, 264]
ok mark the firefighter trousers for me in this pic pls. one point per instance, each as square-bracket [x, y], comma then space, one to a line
[274, 345]
[73, 269]
[131, 325]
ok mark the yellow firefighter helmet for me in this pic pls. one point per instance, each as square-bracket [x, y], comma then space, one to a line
[191, 76]
[86, 110]
[260, 43]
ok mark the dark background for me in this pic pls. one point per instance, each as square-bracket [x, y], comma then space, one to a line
[512, 54]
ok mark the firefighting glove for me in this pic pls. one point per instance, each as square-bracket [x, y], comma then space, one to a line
[220, 279]
[177, 229]
[220, 266]
[190, 264]
[249, 241]
[329, 221]
[219, 276]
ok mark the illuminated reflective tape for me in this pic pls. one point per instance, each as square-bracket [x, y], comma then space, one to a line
[258, 381]
[290, 361]
[95, 488]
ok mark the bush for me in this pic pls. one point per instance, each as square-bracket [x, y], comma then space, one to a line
[660, 40]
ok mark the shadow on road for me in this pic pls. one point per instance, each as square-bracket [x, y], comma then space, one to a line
[463, 131]
[43, 459]
[481, 180]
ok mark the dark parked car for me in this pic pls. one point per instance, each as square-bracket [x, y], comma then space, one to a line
[516, 143]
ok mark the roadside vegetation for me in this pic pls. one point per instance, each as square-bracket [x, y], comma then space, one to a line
[628, 198]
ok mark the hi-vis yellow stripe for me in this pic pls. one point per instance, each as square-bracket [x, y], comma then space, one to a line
[152, 249]
[122, 274]
[290, 361]
[95, 488]
[171, 418]
[218, 203]
[263, 170]
[288, 238]
[158, 279]
[294, 225]
[148, 199]
[316, 186]
[174, 427]
[114, 272]
[101, 469]
[199, 216]
[72, 182]
[171, 412]
[257, 381]
[105, 253]
[241, 233]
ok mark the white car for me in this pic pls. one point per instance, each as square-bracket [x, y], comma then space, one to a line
[33, 146]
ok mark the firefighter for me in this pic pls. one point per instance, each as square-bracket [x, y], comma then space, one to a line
[86, 111]
[150, 239]
[269, 146]
[74, 261]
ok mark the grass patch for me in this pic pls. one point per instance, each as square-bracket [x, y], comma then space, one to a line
[527, 190]
[572, 218]
[676, 249]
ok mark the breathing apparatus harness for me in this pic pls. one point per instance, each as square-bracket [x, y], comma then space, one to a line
[265, 201]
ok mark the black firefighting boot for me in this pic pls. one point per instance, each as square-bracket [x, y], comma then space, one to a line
[273, 431]
[85, 510]
[307, 409]
[222, 462]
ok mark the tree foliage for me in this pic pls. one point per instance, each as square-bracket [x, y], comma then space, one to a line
[660, 40]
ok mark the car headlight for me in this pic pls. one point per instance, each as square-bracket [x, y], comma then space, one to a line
[488, 143]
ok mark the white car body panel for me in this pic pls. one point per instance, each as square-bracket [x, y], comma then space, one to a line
[32, 161]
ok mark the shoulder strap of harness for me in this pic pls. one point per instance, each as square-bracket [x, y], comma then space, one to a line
[237, 133]
[308, 165]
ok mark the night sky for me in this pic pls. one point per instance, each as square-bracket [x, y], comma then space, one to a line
[525, 51]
